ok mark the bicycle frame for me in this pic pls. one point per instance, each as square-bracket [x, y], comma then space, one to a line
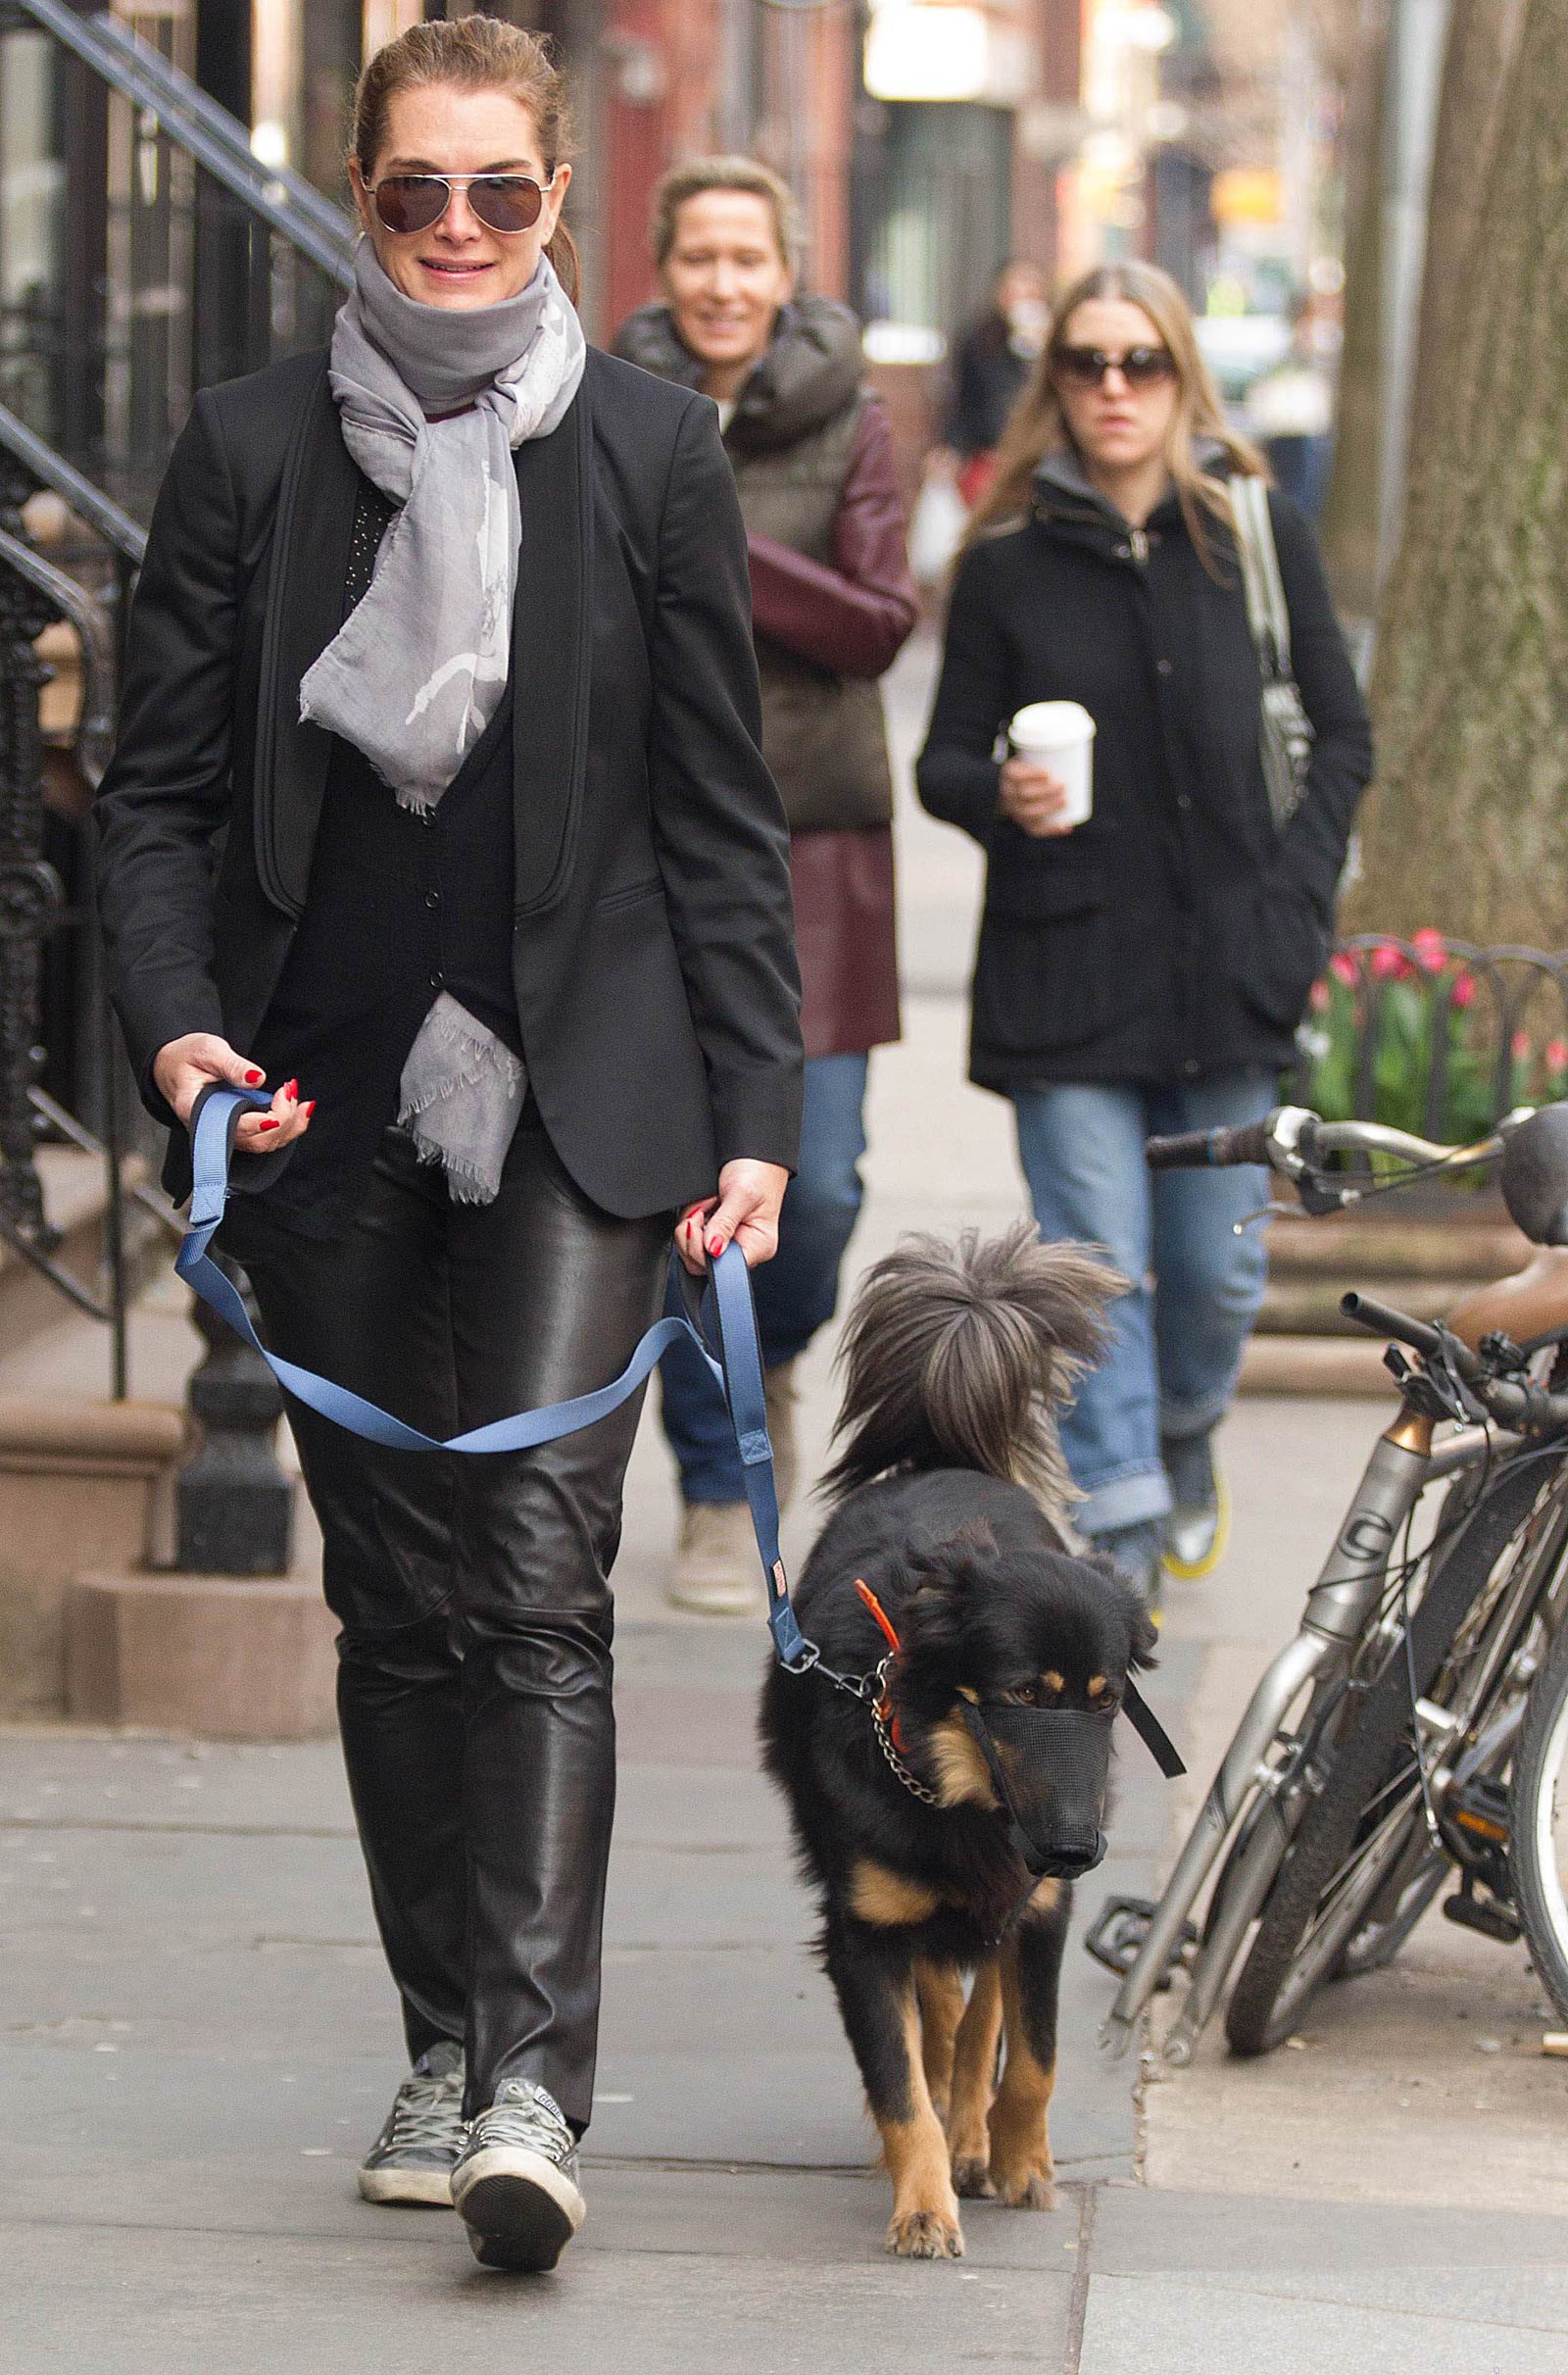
[1339, 1607]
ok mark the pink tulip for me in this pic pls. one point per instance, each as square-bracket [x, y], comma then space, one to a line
[1557, 1056]
[1389, 963]
[1343, 967]
[1319, 1001]
[1463, 992]
[1519, 1047]
[1432, 949]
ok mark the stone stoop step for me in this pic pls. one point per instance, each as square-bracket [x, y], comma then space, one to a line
[1421, 1264]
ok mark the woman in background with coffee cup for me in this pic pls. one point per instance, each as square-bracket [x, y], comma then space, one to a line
[1149, 937]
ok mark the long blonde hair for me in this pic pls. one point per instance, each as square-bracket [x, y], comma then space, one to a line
[1038, 426]
[473, 54]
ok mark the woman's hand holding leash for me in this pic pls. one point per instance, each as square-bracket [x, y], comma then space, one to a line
[183, 1067]
[1033, 797]
[746, 1209]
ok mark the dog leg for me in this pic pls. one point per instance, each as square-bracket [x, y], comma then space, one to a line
[974, 2081]
[877, 1998]
[939, 1991]
[1021, 2168]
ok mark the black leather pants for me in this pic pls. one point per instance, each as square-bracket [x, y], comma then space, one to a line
[474, 1657]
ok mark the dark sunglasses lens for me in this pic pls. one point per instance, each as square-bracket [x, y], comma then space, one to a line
[506, 202]
[1084, 366]
[1142, 366]
[411, 202]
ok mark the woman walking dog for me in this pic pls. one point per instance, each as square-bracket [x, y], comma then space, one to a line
[439, 805]
[1145, 969]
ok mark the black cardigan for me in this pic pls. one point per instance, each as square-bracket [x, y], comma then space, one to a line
[1175, 932]
[651, 949]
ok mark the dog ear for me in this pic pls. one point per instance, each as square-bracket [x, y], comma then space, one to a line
[975, 1533]
[1145, 1638]
[1143, 1635]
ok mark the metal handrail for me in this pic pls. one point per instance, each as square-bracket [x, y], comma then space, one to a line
[95, 730]
[52, 471]
[320, 231]
[183, 98]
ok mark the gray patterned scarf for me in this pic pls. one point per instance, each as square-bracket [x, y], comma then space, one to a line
[416, 671]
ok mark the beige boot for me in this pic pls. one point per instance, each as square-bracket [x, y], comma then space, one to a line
[717, 1567]
[781, 1396]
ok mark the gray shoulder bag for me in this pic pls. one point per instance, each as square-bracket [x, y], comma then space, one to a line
[1285, 728]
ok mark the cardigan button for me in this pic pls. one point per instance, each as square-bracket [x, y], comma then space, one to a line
[1163, 666]
[436, 981]
[433, 899]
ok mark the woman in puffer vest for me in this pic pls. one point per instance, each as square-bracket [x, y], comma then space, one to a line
[832, 603]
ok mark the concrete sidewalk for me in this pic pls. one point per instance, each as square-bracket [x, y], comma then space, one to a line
[199, 2038]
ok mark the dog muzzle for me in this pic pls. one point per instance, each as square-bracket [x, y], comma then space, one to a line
[1060, 1772]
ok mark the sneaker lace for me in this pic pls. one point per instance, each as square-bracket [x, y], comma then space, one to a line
[529, 2118]
[428, 2110]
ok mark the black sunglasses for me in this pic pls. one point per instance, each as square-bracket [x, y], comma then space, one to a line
[1139, 365]
[501, 202]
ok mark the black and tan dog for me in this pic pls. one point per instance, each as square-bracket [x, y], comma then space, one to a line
[947, 1490]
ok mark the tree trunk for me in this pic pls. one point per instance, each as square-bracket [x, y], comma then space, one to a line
[1351, 512]
[1468, 829]
[1482, 38]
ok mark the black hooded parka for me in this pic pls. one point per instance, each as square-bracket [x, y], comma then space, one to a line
[1176, 932]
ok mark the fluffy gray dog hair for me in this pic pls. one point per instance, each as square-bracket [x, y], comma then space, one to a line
[955, 1355]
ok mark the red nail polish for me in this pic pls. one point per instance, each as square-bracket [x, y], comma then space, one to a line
[310, 1109]
[268, 1125]
[291, 1088]
[254, 1078]
[716, 1245]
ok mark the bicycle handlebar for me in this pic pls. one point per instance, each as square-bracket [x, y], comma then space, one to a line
[1292, 1139]
[1517, 1403]
[1193, 1149]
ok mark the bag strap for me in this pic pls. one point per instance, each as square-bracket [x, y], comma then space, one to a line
[1268, 616]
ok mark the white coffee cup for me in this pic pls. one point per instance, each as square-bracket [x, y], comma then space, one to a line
[1061, 735]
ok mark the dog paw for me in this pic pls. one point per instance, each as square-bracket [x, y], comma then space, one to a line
[1025, 2188]
[925, 2235]
[971, 2178]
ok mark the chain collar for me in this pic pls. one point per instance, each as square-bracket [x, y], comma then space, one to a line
[881, 1705]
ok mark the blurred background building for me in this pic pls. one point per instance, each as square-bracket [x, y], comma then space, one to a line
[929, 139]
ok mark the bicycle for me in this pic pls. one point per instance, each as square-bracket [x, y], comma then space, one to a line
[1334, 1838]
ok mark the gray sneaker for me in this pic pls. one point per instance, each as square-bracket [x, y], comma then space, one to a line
[414, 2156]
[515, 2182]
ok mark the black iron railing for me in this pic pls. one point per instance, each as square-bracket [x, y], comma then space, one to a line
[154, 253]
[1435, 1035]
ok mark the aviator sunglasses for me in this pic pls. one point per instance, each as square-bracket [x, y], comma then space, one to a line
[1087, 366]
[501, 202]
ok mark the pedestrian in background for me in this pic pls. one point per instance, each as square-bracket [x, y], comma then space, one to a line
[832, 603]
[1144, 970]
[991, 366]
[439, 797]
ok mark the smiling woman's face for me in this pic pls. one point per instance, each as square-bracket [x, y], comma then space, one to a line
[458, 261]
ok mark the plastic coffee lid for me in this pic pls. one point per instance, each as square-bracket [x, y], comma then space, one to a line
[1050, 725]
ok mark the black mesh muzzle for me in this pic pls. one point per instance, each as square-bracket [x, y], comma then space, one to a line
[1054, 1800]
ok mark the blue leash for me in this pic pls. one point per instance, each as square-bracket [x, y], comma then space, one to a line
[736, 1366]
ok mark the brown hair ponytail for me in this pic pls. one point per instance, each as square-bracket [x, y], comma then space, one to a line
[473, 54]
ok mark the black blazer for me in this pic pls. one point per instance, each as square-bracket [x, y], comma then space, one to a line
[653, 954]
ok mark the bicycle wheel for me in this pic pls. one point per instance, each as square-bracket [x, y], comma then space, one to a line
[1538, 1824]
[1351, 1838]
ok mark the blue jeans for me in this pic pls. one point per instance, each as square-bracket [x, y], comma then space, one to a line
[796, 1292]
[1177, 1337]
